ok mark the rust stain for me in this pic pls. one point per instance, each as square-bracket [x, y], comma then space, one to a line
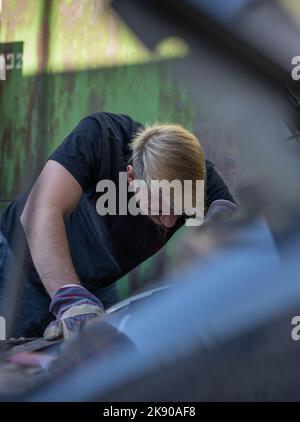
[43, 48]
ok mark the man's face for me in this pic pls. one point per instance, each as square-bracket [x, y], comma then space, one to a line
[155, 212]
[153, 206]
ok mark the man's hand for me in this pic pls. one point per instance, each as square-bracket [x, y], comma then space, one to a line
[72, 305]
[220, 208]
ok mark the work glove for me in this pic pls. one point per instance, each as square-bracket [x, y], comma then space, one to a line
[220, 208]
[72, 305]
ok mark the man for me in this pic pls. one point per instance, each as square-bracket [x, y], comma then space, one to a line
[74, 254]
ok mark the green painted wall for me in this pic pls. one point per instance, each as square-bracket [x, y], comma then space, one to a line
[78, 57]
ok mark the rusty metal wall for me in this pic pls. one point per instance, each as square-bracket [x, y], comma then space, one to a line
[68, 58]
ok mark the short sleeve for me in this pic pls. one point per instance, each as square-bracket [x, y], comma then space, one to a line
[81, 152]
[216, 188]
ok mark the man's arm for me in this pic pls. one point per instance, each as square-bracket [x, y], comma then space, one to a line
[54, 196]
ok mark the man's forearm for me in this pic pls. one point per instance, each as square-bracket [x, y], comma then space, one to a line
[48, 243]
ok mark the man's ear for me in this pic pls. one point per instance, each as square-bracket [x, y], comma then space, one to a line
[130, 173]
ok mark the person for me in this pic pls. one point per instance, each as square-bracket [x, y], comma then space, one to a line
[74, 255]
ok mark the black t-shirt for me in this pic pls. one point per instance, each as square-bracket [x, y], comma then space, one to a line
[103, 248]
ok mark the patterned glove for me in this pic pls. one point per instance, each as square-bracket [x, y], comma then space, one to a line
[72, 305]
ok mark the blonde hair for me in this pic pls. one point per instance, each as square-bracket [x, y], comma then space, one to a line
[167, 152]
